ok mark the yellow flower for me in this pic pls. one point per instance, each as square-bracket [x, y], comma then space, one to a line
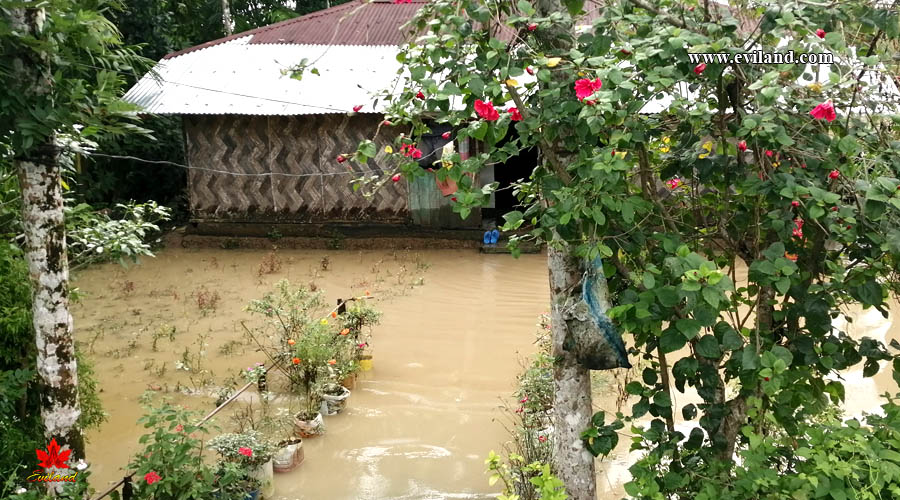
[664, 149]
[621, 155]
[666, 140]
[553, 61]
[512, 83]
[815, 87]
[708, 146]
[324, 321]
[581, 73]
[388, 149]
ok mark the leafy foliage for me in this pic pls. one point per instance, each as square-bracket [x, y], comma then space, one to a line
[730, 171]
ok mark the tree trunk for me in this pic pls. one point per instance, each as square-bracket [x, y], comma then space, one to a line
[45, 253]
[572, 410]
[226, 17]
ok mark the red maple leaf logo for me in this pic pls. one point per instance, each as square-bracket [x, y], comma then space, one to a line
[53, 458]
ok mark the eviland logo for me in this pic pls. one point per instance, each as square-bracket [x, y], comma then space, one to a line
[52, 461]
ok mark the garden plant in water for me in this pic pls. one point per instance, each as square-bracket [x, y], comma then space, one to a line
[732, 220]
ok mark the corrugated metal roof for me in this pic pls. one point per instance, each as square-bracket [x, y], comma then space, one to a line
[238, 77]
[359, 22]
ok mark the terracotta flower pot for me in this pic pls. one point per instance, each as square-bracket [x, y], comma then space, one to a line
[349, 382]
[309, 428]
[335, 398]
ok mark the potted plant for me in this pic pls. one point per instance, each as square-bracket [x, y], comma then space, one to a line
[170, 466]
[249, 450]
[290, 454]
[335, 397]
[314, 352]
[237, 482]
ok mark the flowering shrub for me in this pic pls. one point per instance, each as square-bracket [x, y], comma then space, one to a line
[253, 373]
[170, 466]
[737, 145]
[248, 449]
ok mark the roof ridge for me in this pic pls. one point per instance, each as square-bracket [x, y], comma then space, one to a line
[263, 29]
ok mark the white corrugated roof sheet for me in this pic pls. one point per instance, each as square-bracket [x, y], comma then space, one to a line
[236, 77]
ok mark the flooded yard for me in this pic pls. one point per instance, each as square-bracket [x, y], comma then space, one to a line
[455, 330]
[419, 425]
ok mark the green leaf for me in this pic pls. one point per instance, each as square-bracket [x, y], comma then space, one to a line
[708, 347]
[667, 296]
[573, 6]
[848, 145]
[711, 296]
[671, 340]
[649, 281]
[597, 213]
[688, 327]
[634, 388]
[662, 399]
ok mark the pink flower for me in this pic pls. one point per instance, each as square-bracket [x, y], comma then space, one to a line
[700, 68]
[357, 108]
[824, 111]
[798, 229]
[247, 452]
[795, 203]
[341, 158]
[387, 123]
[514, 114]
[396, 178]
[742, 146]
[445, 135]
[673, 183]
[151, 477]
[769, 153]
[820, 33]
[411, 151]
[179, 428]
[834, 174]
[585, 87]
[524, 400]
[532, 26]
[486, 110]
[542, 439]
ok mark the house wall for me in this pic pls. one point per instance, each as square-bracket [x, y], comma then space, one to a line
[261, 149]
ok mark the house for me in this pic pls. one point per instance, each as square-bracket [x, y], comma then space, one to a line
[262, 146]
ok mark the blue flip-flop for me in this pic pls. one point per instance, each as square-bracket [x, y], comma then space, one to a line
[487, 238]
[495, 235]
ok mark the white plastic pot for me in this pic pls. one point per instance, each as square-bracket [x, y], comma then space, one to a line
[309, 428]
[266, 475]
[335, 403]
[288, 457]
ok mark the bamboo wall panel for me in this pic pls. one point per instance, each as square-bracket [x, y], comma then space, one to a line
[253, 150]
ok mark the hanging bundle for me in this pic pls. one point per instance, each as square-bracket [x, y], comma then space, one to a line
[591, 335]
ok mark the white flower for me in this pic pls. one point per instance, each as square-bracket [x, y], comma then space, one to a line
[20, 491]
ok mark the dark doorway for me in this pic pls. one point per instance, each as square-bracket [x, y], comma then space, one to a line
[516, 168]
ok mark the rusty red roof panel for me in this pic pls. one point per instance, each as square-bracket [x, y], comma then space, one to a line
[354, 23]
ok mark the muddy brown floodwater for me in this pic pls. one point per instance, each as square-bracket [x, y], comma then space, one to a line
[456, 327]
[419, 425]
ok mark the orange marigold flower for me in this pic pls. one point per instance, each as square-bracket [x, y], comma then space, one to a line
[334, 314]
[296, 361]
[332, 362]
[345, 331]
[291, 342]
[790, 256]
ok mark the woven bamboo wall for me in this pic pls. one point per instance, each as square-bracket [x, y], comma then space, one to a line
[260, 148]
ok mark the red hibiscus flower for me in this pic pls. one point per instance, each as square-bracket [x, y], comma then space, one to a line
[585, 87]
[151, 477]
[674, 183]
[514, 114]
[820, 33]
[834, 174]
[486, 110]
[742, 146]
[357, 108]
[420, 95]
[824, 111]
[700, 68]
[532, 26]
[53, 458]
[445, 135]
[453, 199]
[247, 452]
[795, 203]
[769, 153]
[395, 178]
